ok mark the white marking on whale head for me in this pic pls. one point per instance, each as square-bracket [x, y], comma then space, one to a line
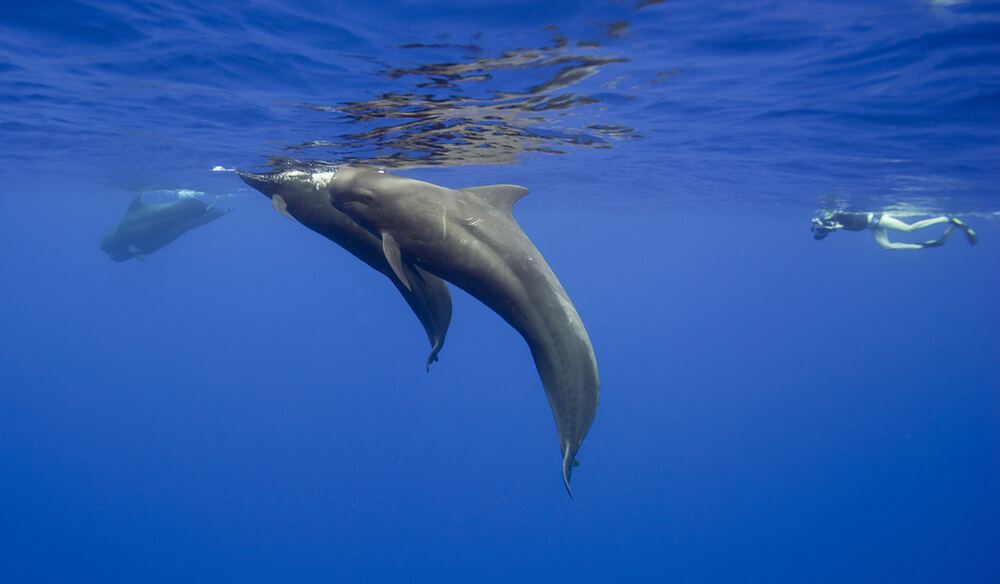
[321, 180]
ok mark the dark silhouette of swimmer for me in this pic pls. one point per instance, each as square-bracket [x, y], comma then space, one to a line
[880, 224]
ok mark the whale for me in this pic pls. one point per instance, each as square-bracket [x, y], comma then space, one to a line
[148, 227]
[470, 238]
[302, 197]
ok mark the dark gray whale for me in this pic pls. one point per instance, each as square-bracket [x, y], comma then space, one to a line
[146, 227]
[303, 196]
[470, 238]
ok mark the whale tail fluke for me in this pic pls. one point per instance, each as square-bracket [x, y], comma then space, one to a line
[569, 461]
[431, 301]
[433, 356]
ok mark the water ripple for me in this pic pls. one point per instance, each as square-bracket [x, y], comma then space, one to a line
[713, 103]
[453, 115]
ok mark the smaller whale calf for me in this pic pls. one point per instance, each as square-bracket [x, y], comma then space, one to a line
[304, 197]
[147, 227]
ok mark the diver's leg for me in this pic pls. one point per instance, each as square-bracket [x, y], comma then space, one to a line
[882, 238]
[940, 241]
[928, 222]
[889, 222]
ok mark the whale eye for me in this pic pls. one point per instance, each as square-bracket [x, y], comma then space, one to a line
[364, 196]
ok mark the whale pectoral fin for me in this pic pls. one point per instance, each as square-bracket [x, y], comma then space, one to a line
[132, 249]
[281, 206]
[500, 196]
[136, 204]
[392, 254]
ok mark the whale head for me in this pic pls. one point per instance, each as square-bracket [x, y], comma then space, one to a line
[369, 196]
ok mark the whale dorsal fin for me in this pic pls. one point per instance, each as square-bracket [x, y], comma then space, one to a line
[136, 204]
[500, 196]
[395, 258]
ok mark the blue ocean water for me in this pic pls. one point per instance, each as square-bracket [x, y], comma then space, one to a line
[249, 403]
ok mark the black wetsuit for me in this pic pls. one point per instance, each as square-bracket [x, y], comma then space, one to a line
[854, 221]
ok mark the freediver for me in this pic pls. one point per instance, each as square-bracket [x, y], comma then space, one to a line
[880, 223]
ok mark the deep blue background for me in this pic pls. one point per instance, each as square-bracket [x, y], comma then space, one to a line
[249, 404]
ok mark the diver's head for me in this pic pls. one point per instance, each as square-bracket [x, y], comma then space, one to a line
[824, 225]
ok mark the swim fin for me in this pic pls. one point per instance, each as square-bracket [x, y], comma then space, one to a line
[970, 233]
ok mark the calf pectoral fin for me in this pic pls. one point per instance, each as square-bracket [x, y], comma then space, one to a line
[392, 254]
[281, 206]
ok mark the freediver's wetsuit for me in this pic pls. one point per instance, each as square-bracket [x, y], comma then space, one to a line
[855, 221]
